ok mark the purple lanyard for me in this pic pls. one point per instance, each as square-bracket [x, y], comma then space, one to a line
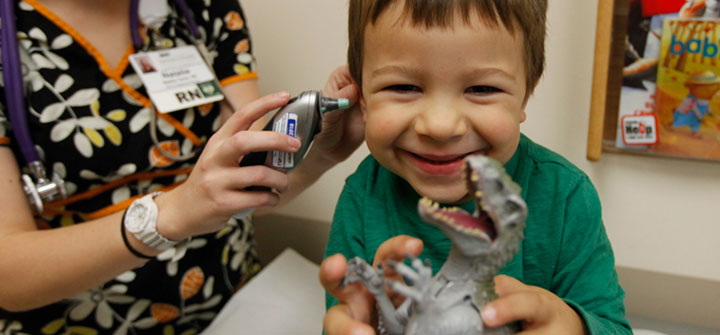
[12, 71]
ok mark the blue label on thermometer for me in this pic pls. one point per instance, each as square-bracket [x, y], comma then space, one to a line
[288, 126]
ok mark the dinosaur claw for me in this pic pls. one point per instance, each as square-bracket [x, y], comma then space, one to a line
[347, 281]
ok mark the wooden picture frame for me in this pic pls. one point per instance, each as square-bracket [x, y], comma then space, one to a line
[607, 77]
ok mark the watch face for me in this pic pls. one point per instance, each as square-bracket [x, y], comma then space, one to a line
[137, 217]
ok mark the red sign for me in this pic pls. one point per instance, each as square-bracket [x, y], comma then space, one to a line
[656, 7]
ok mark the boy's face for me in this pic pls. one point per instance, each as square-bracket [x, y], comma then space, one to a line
[431, 96]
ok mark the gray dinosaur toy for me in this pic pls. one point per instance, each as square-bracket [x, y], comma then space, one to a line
[482, 243]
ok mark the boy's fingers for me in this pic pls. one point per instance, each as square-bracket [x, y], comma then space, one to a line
[526, 305]
[397, 248]
[332, 271]
[352, 314]
[355, 295]
[339, 321]
[506, 285]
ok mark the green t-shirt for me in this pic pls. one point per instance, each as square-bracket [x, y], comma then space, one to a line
[565, 250]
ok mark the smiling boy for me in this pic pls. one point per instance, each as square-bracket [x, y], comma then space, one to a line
[441, 80]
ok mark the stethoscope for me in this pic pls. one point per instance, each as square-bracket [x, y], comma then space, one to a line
[37, 186]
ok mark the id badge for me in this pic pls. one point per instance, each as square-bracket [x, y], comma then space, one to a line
[176, 78]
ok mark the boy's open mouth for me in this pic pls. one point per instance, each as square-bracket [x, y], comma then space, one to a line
[440, 160]
[440, 165]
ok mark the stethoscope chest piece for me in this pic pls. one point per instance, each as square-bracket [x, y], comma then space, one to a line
[44, 190]
[37, 186]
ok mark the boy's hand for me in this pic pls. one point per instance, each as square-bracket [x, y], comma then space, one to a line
[355, 313]
[539, 310]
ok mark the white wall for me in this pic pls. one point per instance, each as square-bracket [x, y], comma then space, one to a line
[661, 215]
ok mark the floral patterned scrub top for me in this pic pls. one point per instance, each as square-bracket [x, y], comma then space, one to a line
[91, 123]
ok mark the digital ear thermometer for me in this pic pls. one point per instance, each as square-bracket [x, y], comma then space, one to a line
[300, 118]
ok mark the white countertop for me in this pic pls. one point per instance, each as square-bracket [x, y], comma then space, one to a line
[284, 298]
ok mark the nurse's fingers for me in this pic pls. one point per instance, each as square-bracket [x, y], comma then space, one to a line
[242, 119]
[233, 148]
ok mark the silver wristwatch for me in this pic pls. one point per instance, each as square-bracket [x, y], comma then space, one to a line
[141, 220]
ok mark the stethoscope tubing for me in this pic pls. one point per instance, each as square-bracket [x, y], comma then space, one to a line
[12, 75]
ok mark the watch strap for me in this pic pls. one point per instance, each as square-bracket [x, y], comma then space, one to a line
[149, 235]
[129, 246]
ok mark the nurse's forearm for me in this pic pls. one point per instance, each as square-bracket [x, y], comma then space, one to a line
[39, 267]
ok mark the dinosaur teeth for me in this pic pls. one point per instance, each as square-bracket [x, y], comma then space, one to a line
[444, 218]
[484, 207]
[474, 231]
[449, 216]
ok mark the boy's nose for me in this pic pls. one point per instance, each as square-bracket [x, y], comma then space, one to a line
[441, 121]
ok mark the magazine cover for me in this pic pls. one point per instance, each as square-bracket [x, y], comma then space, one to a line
[687, 96]
[640, 127]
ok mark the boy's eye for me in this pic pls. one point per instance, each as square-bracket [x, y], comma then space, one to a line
[403, 88]
[482, 89]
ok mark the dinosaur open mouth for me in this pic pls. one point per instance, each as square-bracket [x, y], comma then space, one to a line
[458, 219]
[480, 224]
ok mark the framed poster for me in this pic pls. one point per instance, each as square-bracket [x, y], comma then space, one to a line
[656, 80]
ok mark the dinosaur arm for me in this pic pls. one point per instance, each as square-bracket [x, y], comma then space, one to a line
[374, 280]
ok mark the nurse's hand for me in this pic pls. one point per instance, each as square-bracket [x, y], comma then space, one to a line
[216, 188]
[342, 130]
[341, 133]
[355, 313]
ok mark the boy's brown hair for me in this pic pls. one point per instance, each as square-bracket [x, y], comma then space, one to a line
[526, 15]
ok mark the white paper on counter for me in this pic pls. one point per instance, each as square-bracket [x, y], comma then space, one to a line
[284, 298]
